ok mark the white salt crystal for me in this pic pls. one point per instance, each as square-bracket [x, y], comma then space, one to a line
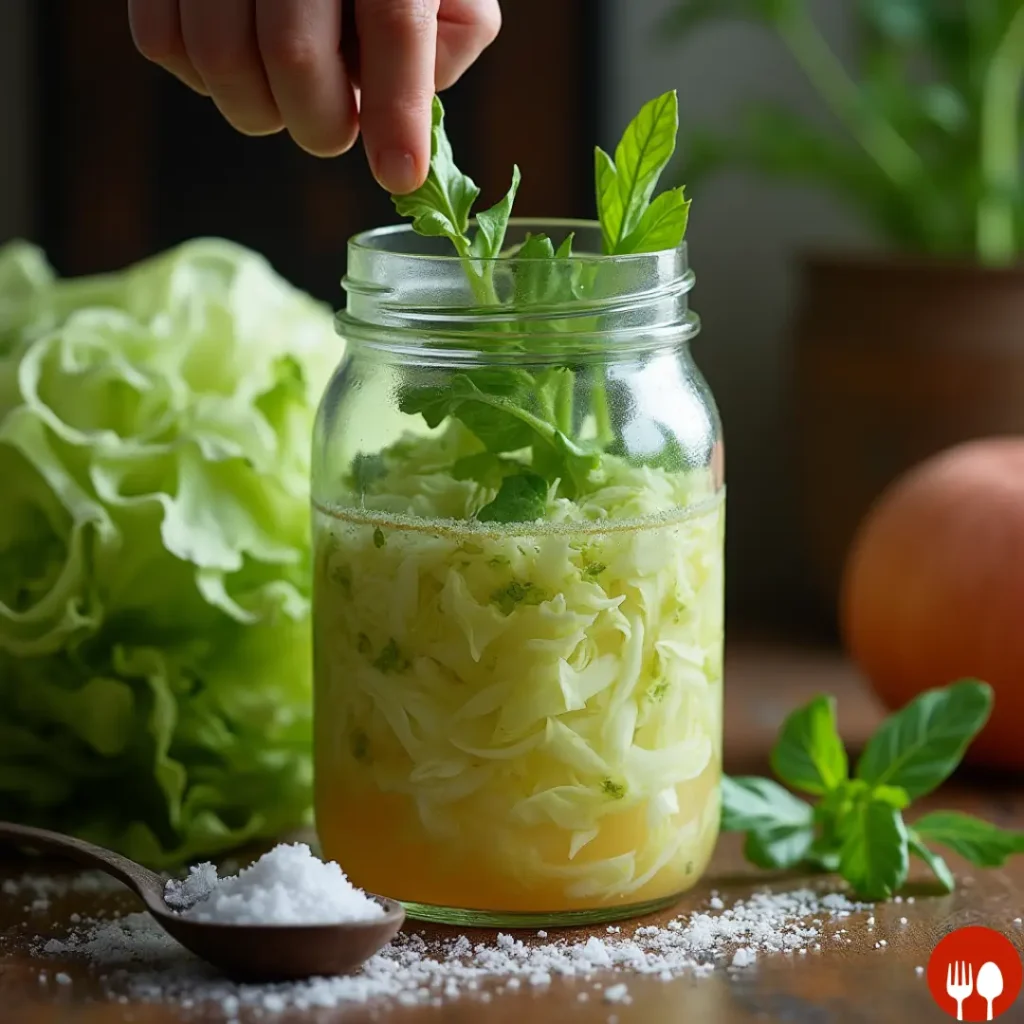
[617, 994]
[919, 969]
[186, 893]
[413, 971]
[62, 978]
[903, 920]
[287, 885]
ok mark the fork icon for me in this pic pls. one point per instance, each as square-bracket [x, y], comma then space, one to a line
[959, 984]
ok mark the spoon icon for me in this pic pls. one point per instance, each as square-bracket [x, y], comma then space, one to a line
[990, 984]
[262, 952]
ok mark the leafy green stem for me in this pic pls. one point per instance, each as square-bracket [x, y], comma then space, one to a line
[1000, 146]
[564, 403]
[895, 157]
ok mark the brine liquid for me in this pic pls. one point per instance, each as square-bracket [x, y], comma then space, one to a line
[511, 722]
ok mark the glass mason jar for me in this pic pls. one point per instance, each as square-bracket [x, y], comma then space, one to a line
[518, 516]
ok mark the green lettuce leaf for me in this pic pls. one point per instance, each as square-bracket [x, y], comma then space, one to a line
[154, 550]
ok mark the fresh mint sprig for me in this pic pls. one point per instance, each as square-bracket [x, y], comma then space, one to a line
[857, 827]
[527, 424]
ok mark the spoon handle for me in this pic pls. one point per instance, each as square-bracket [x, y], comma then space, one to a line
[141, 880]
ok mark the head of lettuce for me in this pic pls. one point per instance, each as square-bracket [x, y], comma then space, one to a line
[154, 582]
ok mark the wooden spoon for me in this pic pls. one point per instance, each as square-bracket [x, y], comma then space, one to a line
[264, 952]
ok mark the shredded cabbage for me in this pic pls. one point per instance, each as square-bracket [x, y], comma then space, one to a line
[538, 708]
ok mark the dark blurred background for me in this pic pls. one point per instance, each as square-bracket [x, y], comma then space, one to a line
[104, 159]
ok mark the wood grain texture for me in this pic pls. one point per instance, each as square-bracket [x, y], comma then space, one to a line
[842, 984]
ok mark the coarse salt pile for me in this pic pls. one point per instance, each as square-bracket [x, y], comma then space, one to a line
[141, 961]
[288, 885]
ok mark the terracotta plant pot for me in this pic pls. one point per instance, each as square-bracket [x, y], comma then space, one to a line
[896, 359]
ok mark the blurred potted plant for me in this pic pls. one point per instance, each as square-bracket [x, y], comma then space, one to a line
[902, 353]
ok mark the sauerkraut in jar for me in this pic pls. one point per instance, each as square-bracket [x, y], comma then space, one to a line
[518, 531]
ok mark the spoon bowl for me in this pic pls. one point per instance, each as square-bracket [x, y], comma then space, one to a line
[990, 984]
[246, 952]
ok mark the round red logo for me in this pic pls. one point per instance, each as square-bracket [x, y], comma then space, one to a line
[975, 973]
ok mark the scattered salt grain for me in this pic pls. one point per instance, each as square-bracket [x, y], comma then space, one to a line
[903, 920]
[57, 886]
[882, 942]
[136, 958]
[1018, 920]
[919, 969]
[715, 903]
[62, 978]
[617, 994]
[542, 934]
[287, 885]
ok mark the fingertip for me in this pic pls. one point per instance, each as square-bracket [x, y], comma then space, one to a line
[398, 171]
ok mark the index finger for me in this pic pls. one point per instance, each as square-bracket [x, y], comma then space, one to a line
[397, 50]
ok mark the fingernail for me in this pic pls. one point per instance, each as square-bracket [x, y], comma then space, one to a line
[395, 169]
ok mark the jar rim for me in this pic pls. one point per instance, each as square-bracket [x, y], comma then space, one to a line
[362, 243]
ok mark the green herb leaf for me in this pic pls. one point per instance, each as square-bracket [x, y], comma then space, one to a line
[894, 796]
[366, 469]
[491, 224]
[918, 748]
[609, 201]
[391, 659]
[875, 854]
[625, 186]
[938, 866]
[564, 460]
[442, 204]
[751, 804]
[520, 499]
[509, 597]
[976, 840]
[663, 224]
[486, 468]
[779, 848]
[616, 790]
[432, 403]
[539, 280]
[809, 755]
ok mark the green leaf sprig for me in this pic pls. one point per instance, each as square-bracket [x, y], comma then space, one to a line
[857, 826]
[527, 423]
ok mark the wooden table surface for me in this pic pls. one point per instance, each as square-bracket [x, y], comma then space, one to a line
[844, 983]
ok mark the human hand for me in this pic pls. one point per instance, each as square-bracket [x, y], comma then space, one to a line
[274, 64]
